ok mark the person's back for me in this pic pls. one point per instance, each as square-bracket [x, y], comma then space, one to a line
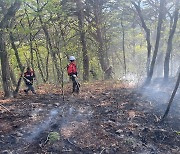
[72, 68]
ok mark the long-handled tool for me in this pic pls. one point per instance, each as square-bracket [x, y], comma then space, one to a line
[27, 80]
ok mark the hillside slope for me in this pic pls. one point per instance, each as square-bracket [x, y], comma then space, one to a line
[106, 117]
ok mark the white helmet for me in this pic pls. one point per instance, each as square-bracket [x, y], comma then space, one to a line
[72, 58]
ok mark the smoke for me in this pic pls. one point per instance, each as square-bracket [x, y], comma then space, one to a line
[159, 93]
[35, 113]
[76, 114]
[44, 125]
[132, 79]
[62, 117]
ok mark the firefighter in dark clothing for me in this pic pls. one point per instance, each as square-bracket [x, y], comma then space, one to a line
[72, 72]
[29, 75]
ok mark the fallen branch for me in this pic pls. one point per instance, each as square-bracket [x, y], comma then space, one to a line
[6, 108]
[102, 150]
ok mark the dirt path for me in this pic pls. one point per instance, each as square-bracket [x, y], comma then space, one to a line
[106, 117]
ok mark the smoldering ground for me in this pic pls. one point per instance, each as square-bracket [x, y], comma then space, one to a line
[106, 118]
[158, 94]
[58, 119]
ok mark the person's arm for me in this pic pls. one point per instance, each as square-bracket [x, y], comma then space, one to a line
[34, 75]
[70, 70]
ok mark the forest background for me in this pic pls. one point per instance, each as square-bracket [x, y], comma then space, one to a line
[138, 39]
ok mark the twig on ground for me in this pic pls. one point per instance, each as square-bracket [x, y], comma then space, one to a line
[6, 109]
[102, 150]
[157, 118]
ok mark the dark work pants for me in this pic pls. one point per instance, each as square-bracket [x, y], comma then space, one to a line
[76, 85]
[30, 87]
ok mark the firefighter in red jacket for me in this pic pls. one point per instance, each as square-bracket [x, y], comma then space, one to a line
[72, 72]
[29, 75]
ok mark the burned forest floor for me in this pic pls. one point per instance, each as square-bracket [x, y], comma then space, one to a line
[105, 118]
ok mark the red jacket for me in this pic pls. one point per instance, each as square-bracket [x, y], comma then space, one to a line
[71, 69]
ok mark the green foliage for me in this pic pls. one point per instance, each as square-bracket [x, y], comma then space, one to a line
[53, 137]
[178, 133]
[61, 20]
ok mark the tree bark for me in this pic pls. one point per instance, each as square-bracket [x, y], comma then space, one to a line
[158, 37]
[47, 66]
[80, 11]
[13, 77]
[49, 43]
[169, 44]
[15, 51]
[123, 45]
[30, 24]
[39, 64]
[99, 36]
[50, 50]
[148, 36]
[3, 52]
[172, 97]
[5, 66]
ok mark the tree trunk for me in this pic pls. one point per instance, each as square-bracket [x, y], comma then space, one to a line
[47, 66]
[123, 45]
[39, 65]
[148, 36]
[80, 11]
[98, 25]
[5, 66]
[13, 77]
[169, 44]
[31, 50]
[63, 39]
[3, 52]
[30, 39]
[172, 97]
[15, 51]
[158, 37]
[49, 43]
[101, 54]
[19, 83]
[50, 48]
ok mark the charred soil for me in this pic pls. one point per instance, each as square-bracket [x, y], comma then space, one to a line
[105, 118]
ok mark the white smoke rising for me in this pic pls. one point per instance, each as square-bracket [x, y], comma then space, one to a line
[61, 116]
[159, 93]
[36, 130]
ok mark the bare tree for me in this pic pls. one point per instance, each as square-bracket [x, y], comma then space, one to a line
[48, 40]
[158, 37]
[148, 35]
[98, 34]
[14, 47]
[80, 12]
[170, 39]
[40, 63]
[123, 46]
[172, 97]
